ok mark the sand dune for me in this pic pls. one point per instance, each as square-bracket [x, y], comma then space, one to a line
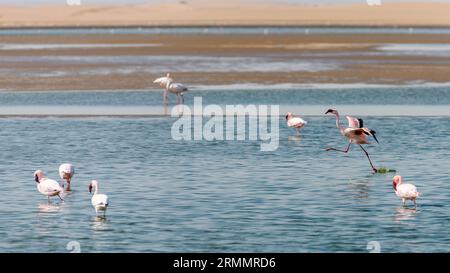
[200, 12]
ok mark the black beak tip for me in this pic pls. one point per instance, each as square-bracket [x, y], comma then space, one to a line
[374, 137]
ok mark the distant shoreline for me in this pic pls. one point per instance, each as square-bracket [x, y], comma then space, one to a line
[228, 26]
[232, 13]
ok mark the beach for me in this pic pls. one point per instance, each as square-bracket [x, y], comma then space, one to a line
[124, 47]
[132, 61]
[234, 12]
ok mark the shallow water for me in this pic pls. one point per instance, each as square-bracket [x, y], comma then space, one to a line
[224, 30]
[169, 195]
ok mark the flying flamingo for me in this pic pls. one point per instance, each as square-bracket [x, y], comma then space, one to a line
[405, 191]
[163, 83]
[48, 187]
[99, 201]
[66, 172]
[355, 133]
[178, 89]
[295, 122]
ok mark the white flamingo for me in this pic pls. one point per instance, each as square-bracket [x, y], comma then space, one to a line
[66, 172]
[355, 133]
[405, 191]
[162, 81]
[99, 201]
[178, 89]
[295, 122]
[48, 187]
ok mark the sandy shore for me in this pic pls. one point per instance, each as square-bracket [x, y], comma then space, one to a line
[126, 63]
[232, 12]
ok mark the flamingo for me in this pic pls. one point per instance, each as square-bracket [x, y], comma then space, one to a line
[66, 172]
[176, 88]
[355, 133]
[99, 201]
[163, 82]
[48, 187]
[405, 191]
[295, 122]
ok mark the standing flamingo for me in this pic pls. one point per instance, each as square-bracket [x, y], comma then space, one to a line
[355, 133]
[99, 201]
[405, 191]
[163, 83]
[178, 89]
[295, 122]
[66, 172]
[48, 187]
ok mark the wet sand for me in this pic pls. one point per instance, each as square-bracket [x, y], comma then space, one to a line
[355, 58]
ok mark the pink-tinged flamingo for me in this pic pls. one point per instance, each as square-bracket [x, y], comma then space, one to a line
[66, 172]
[162, 81]
[99, 201]
[355, 133]
[405, 191]
[295, 122]
[48, 187]
[178, 89]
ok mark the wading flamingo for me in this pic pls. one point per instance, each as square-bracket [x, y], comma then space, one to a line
[99, 201]
[405, 191]
[66, 172]
[48, 187]
[162, 81]
[355, 133]
[178, 89]
[295, 122]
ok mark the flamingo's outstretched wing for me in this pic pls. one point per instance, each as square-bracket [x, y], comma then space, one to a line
[162, 80]
[371, 133]
[354, 122]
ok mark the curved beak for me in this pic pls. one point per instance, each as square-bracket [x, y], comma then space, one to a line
[90, 188]
[328, 111]
[36, 179]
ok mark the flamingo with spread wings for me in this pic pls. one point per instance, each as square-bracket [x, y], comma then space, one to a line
[355, 133]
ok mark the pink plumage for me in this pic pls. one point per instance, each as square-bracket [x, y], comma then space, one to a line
[295, 122]
[353, 122]
[405, 191]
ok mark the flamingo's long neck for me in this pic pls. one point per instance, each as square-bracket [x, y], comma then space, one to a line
[338, 125]
[169, 82]
[96, 188]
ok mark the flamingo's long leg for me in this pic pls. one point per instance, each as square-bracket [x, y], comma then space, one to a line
[178, 99]
[165, 97]
[368, 157]
[342, 151]
[182, 99]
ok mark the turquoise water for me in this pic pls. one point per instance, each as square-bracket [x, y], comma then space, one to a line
[226, 196]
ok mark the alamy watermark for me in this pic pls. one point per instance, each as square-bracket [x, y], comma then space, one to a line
[373, 2]
[373, 247]
[73, 2]
[228, 122]
[74, 247]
